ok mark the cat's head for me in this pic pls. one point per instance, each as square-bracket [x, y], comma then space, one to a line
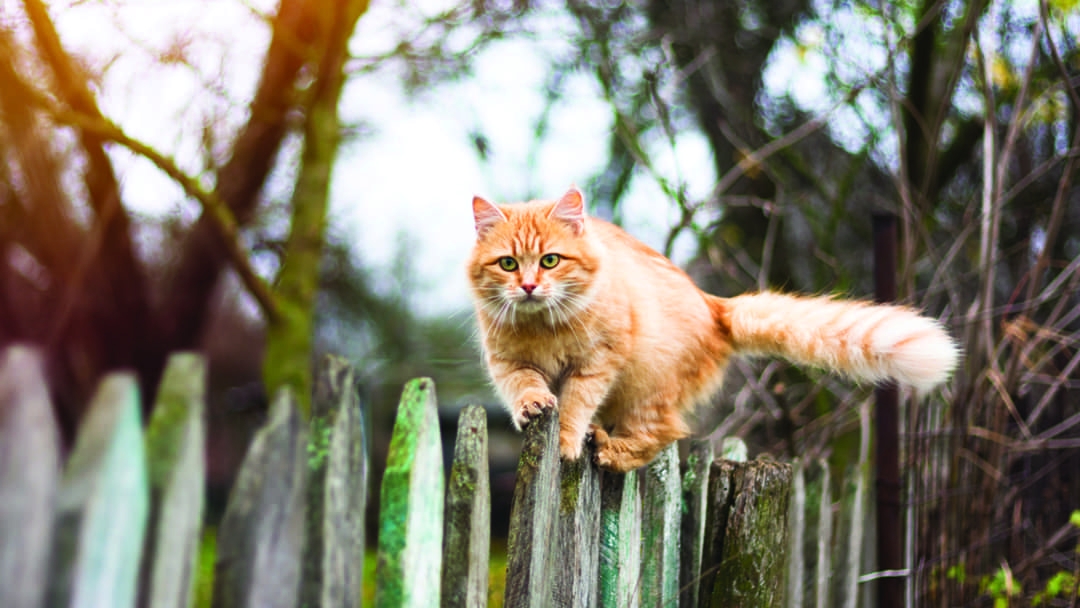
[532, 261]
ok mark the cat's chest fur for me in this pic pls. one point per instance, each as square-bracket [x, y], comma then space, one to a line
[554, 351]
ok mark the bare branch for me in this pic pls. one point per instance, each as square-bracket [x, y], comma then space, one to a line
[211, 204]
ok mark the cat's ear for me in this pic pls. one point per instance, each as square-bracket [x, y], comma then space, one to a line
[571, 210]
[487, 215]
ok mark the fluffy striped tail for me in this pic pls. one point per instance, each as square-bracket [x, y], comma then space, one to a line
[866, 341]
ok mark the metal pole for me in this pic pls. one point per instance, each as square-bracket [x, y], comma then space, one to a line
[890, 589]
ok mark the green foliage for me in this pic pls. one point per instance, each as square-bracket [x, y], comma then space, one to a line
[1001, 587]
[957, 572]
[1062, 584]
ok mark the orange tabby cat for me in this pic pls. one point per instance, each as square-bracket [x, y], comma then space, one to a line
[575, 313]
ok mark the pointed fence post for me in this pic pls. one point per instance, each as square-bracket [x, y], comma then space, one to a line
[337, 491]
[411, 505]
[695, 493]
[261, 535]
[467, 532]
[532, 516]
[175, 448]
[661, 510]
[29, 471]
[102, 504]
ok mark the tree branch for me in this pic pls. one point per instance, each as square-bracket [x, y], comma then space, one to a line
[213, 206]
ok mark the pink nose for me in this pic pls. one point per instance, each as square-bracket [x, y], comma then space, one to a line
[528, 288]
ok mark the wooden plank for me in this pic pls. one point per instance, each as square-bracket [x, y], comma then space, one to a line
[577, 534]
[661, 506]
[175, 452]
[797, 537]
[261, 534]
[102, 504]
[467, 530]
[620, 540]
[532, 516]
[695, 492]
[336, 492]
[856, 522]
[29, 471]
[824, 572]
[745, 555]
[411, 504]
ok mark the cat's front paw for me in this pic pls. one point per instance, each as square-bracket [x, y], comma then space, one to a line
[571, 444]
[531, 404]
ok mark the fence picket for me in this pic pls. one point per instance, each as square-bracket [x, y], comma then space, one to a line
[695, 492]
[532, 516]
[336, 492]
[29, 470]
[620, 540]
[102, 504]
[411, 504]
[260, 537]
[824, 556]
[746, 534]
[577, 534]
[797, 537]
[467, 532]
[661, 507]
[175, 446]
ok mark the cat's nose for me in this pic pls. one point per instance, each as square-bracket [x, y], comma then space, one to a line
[528, 288]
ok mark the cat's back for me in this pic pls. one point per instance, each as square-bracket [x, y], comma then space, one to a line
[635, 261]
[666, 306]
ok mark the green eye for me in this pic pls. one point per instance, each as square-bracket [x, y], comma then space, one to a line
[508, 264]
[550, 260]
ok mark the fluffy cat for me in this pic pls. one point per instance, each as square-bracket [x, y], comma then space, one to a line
[574, 313]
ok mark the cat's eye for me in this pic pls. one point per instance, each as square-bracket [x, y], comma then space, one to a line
[550, 260]
[508, 264]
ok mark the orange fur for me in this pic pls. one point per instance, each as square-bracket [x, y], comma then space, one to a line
[625, 345]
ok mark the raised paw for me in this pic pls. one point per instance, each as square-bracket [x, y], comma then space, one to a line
[531, 404]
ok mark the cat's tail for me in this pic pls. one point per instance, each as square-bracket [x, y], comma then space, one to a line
[869, 342]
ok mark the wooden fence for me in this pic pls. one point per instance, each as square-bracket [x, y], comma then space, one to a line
[118, 523]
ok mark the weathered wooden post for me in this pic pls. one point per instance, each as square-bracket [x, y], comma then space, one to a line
[29, 470]
[620, 540]
[411, 505]
[661, 510]
[532, 517]
[577, 534]
[175, 446]
[102, 504]
[695, 494]
[467, 530]
[745, 550]
[337, 491]
[261, 535]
